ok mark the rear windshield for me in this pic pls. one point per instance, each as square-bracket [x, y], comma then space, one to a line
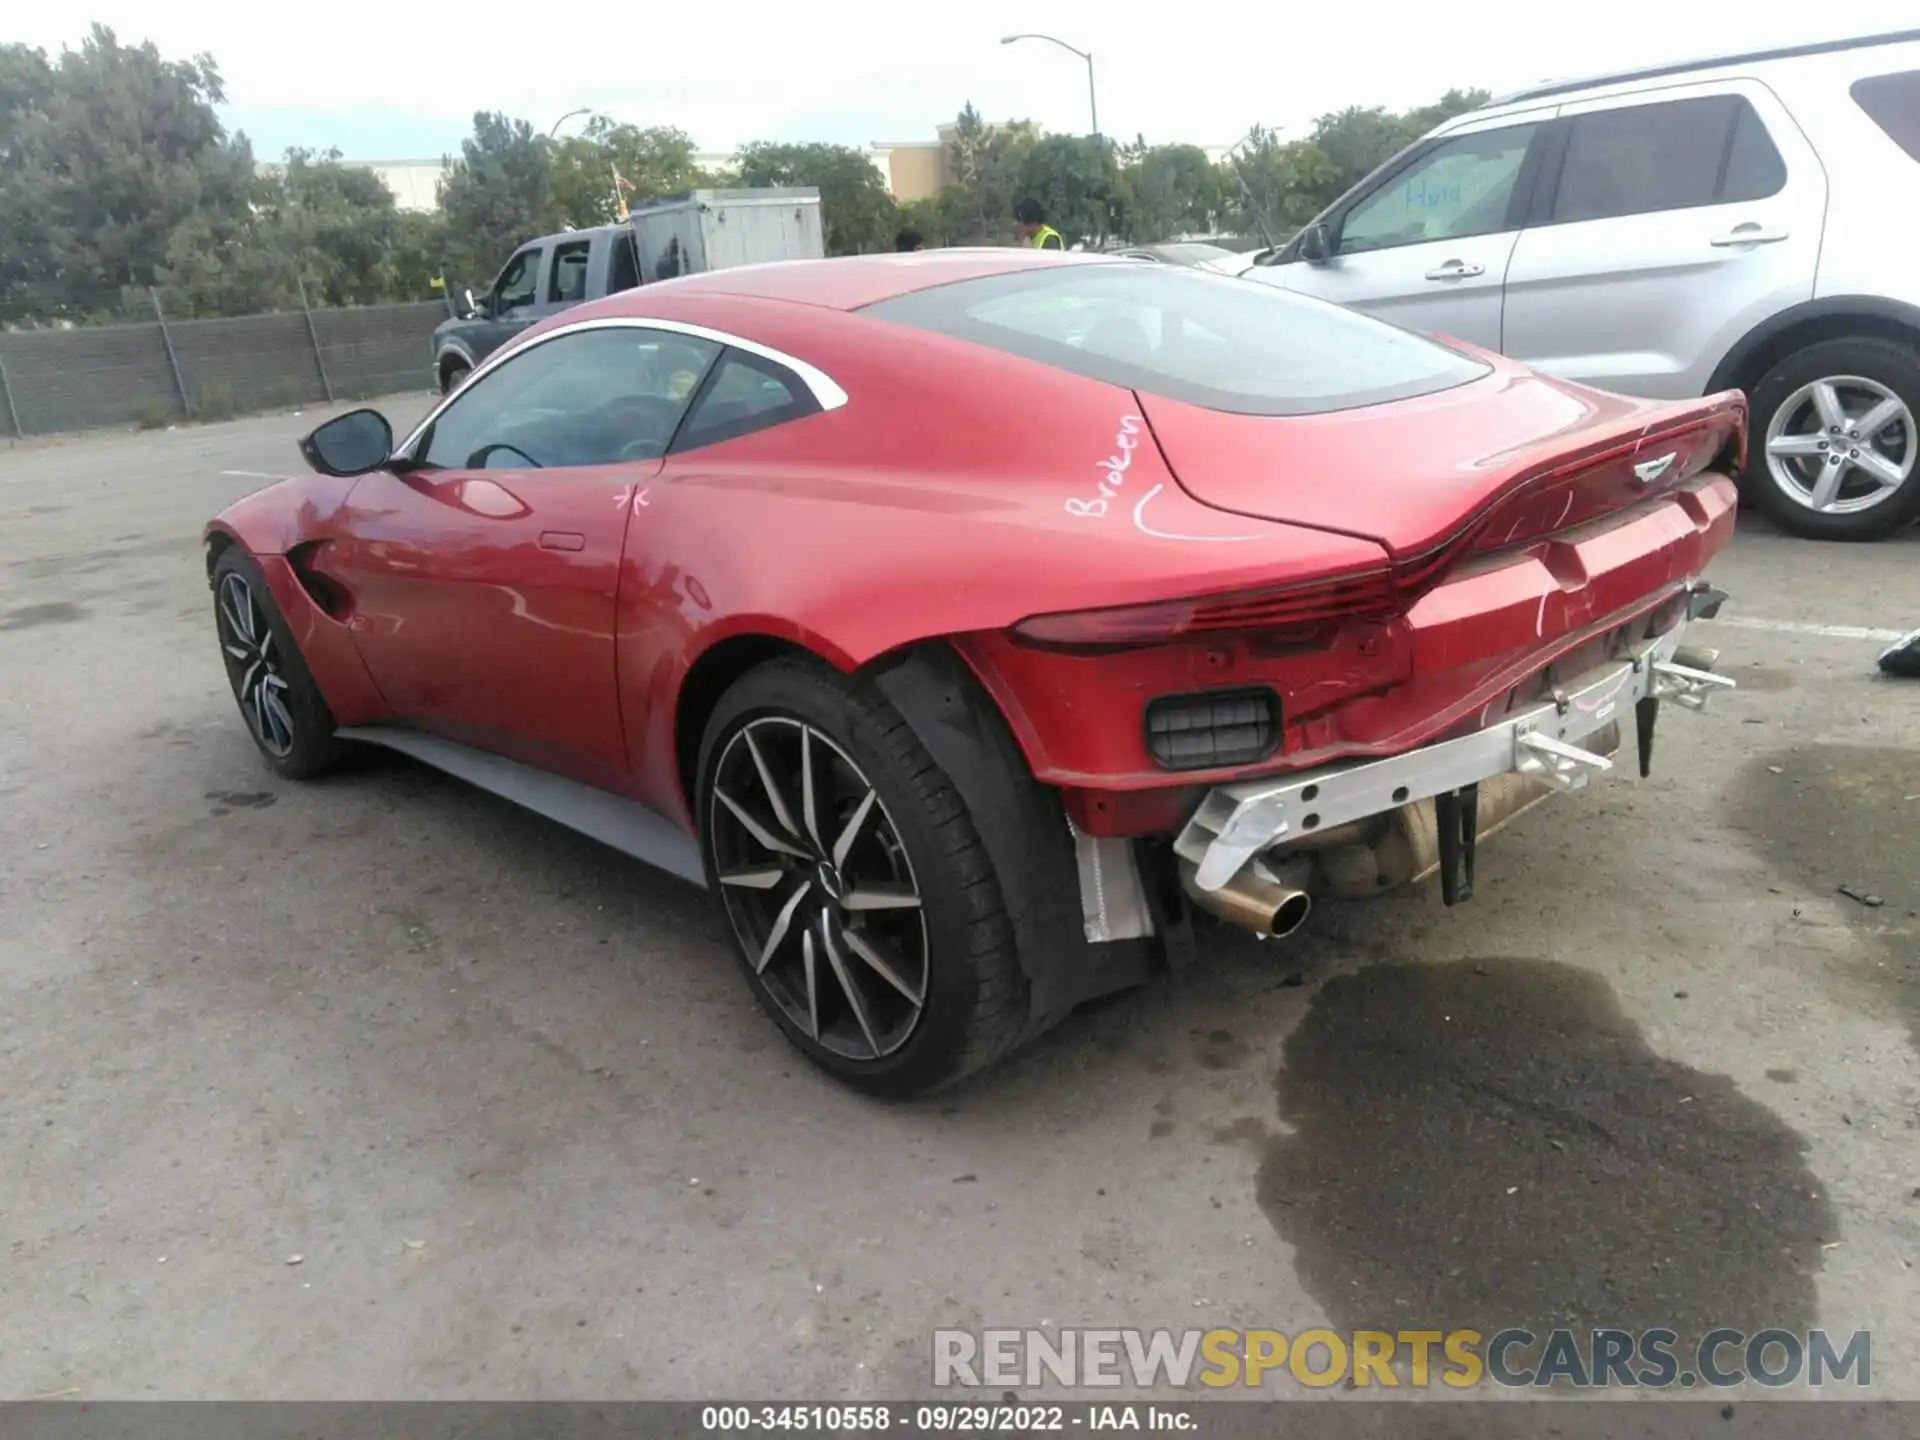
[1241, 346]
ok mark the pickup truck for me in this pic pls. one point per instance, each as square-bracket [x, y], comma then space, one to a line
[543, 276]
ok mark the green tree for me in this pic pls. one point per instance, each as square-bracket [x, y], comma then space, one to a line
[28, 266]
[1455, 102]
[1357, 139]
[1077, 179]
[656, 160]
[106, 154]
[340, 224]
[497, 194]
[985, 162]
[1278, 185]
[858, 212]
[317, 230]
[420, 256]
[1171, 190]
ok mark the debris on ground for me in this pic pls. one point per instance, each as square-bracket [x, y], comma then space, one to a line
[1902, 657]
[1865, 897]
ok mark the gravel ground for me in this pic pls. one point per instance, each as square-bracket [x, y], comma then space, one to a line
[504, 1097]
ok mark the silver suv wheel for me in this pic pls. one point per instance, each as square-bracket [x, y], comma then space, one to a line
[1841, 444]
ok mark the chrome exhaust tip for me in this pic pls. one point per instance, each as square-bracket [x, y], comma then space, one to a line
[1255, 899]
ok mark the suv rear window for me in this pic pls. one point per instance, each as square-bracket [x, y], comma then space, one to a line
[1893, 103]
[1240, 346]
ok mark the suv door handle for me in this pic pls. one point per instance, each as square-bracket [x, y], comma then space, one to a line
[1749, 234]
[1456, 270]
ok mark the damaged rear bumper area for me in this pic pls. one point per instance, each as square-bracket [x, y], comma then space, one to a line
[1257, 853]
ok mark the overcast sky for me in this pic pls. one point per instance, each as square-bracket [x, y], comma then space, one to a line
[401, 80]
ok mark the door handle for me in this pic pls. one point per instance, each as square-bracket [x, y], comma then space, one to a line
[1749, 234]
[1456, 270]
[562, 540]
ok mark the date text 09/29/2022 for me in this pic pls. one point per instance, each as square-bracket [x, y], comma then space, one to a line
[963, 1418]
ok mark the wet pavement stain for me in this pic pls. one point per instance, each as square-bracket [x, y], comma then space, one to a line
[1764, 680]
[1219, 1050]
[58, 612]
[1247, 1130]
[1491, 1143]
[241, 800]
[1831, 815]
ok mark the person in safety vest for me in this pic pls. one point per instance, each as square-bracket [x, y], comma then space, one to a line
[1030, 221]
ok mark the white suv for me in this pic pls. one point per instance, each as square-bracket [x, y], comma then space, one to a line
[1747, 222]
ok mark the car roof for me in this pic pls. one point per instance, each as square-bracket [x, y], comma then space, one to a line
[848, 282]
[1554, 88]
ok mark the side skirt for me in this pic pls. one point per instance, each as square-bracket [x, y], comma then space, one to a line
[626, 825]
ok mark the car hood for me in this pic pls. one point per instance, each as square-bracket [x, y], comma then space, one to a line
[1413, 473]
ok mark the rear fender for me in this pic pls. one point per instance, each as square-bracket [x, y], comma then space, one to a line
[1019, 821]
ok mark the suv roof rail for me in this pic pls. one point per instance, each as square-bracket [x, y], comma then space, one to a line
[1745, 57]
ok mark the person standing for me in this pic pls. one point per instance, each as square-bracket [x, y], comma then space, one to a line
[1030, 221]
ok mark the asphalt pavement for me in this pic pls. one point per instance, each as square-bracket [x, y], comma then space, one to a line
[377, 1087]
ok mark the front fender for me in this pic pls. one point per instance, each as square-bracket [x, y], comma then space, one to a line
[283, 515]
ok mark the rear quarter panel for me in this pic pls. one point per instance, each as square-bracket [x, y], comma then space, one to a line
[957, 491]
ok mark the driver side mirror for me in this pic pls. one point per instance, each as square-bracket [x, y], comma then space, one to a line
[349, 444]
[1316, 243]
[470, 306]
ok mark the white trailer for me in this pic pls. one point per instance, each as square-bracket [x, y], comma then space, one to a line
[719, 229]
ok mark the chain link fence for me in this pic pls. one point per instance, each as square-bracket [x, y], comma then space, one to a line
[146, 364]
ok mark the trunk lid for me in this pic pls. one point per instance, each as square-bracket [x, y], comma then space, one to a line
[1485, 466]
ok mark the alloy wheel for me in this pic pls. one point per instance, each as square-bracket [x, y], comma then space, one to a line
[818, 887]
[254, 666]
[1841, 445]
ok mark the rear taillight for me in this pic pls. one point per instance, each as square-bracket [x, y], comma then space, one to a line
[1302, 607]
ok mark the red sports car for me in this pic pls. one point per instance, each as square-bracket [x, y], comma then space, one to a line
[974, 622]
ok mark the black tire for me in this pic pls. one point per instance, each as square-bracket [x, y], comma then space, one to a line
[1892, 367]
[974, 996]
[292, 727]
[453, 376]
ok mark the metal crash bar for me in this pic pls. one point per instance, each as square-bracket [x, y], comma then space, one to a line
[1239, 821]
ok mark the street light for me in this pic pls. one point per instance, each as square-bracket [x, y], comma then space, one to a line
[1093, 107]
[583, 110]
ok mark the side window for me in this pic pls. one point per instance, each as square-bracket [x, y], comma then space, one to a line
[746, 394]
[1460, 188]
[1893, 103]
[569, 281]
[516, 285]
[1677, 155]
[623, 266]
[1754, 169]
[594, 397]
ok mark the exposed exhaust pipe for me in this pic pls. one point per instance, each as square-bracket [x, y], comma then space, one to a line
[1255, 899]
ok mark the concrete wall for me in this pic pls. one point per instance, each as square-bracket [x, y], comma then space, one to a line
[94, 375]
